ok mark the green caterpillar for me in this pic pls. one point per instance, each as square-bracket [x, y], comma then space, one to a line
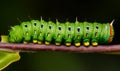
[68, 33]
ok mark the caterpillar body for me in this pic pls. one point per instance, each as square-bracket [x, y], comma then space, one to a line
[68, 33]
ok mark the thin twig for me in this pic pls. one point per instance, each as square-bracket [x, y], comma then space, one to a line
[81, 49]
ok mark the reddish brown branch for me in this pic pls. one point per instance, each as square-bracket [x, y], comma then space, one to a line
[36, 47]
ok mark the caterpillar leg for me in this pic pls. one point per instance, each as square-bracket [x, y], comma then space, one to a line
[94, 43]
[25, 42]
[47, 43]
[57, 43]
[77, 44]
[35, 41]
[68, 44]
[39, 42]
[86, 44]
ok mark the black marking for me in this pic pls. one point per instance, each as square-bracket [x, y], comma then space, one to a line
[34, 31]
[86, 34]
[59, 28]
[58, 35]
[35, 24]
[78, 29]
[48, 34]
[95, 34]
[87, 28]
[68, 35]
[50, 27]
[26, 25]
[69, 28]
[41, 25]
[97, 27]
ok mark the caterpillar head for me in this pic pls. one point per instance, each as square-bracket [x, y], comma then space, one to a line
[15, 34]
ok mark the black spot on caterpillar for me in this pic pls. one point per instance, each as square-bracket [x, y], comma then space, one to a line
[69, 33]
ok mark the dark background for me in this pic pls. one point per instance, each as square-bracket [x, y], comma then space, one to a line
[102, 11]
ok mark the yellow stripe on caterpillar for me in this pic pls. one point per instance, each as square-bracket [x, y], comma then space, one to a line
[25, 42]
[86, 43]
[58, 44]
[77, 44]
[47, 43]
[94, 43]
[35, 41]
[39, 42]
[68, 44]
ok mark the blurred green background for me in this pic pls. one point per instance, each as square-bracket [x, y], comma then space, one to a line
[86, 10]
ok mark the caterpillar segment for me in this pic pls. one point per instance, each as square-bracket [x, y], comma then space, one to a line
[68, 33]
[78, 31]
[35, 30]
[50, 32]
[42, 31]
[88, 30]
[27, 31]
[96, 33]
[59, 33]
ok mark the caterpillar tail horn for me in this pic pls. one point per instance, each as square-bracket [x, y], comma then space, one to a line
[112, 22]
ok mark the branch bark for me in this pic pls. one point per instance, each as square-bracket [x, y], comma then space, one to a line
[81, 49]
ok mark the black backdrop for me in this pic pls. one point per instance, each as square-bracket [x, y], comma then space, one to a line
[102, 11]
